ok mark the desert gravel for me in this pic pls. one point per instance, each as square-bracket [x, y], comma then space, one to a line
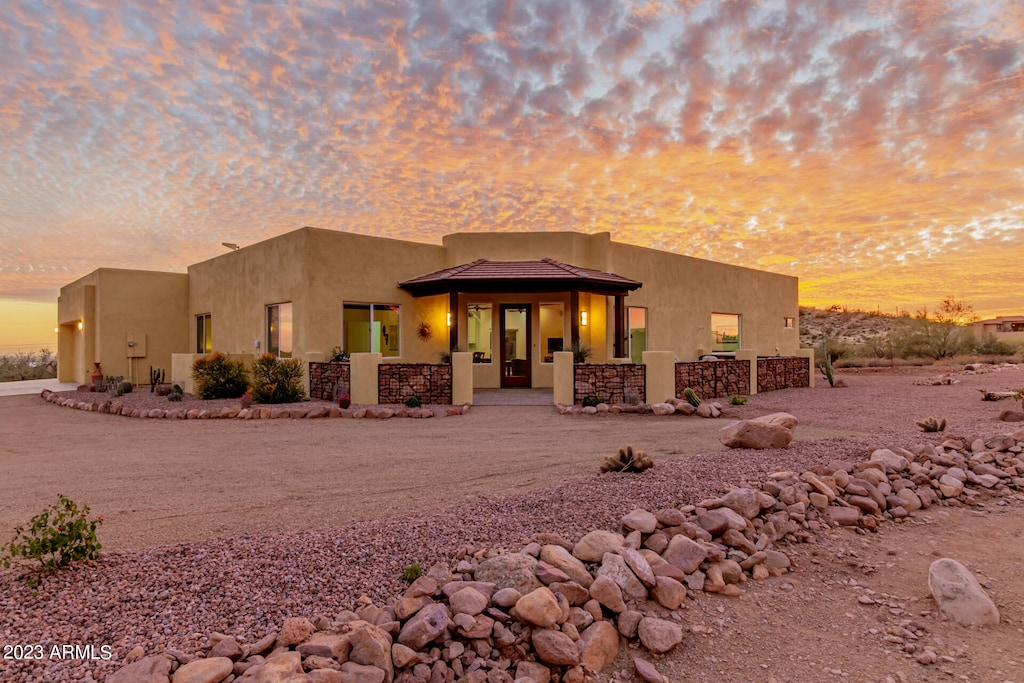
[175, 596]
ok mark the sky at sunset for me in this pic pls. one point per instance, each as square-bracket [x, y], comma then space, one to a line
[873, 149]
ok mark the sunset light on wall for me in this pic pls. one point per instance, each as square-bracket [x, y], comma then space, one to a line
[873, 149]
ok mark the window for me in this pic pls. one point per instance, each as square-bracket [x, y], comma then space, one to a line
[552, 330]
[636, 318]
[725, 329]
[204, 338]
[370, 328]
[279, 330]
[788, 323]
[479, 332]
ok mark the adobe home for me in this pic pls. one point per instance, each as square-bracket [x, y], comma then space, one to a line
[512, 300]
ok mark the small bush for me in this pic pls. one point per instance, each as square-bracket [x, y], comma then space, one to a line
[276, 380]
[412, 572]
[56, 537]
[738, 400]
[590, 401]
[413, 402]
[339, 355]
[627, 460]
[124, 387]
[581, 353]
[344, 401]
[217, 376]
[174, 396]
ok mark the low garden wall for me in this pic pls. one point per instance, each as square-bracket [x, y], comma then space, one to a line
[788, 372]
[328, 380]
[612, 383]
[714, 378]
[431, 382]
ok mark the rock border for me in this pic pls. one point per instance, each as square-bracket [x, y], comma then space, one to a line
[293, 411]
[556, 610]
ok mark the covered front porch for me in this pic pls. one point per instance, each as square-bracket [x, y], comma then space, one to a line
[513, 316]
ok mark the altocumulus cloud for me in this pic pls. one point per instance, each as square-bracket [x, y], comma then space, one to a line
[860, 145]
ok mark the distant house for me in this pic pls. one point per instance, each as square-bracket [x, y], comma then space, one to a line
[1009, 328]
[511, 299]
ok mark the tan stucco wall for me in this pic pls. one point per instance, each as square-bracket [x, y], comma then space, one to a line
[317, 271]
[680, 294]
[112, 304]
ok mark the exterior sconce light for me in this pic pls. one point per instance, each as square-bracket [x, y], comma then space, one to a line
[80, 326]
[583, 318]
[448, 319]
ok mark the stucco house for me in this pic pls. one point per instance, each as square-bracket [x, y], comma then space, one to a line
[510, 299]
[1008, 328]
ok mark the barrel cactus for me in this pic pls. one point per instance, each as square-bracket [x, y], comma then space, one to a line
[691, 397]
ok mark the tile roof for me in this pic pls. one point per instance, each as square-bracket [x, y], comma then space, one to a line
[546, 274]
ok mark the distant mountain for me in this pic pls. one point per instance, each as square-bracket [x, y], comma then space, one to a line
[844, 326]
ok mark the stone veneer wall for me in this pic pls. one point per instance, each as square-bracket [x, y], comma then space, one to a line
[789, 372]
[325, 377]
[714, 378]
[611, 382]
[432, 382]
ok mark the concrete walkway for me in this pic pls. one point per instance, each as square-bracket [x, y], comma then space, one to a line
[34, 386]
[514, 397]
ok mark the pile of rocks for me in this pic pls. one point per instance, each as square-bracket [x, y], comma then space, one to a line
[237, 412]
[671, 406]
[560, 611]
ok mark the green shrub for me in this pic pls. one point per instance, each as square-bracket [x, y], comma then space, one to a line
[55, 537]
[339, 355]
[413, 402]
[581, 353]
[174, 396]
[124, 387]
[276, 380]
[217, 376]
[590, 401]
[738, 400]
[412, 572]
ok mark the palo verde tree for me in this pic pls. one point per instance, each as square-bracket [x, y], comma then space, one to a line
[941, 334]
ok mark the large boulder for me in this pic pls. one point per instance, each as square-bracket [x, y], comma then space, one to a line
[768, 431]
[959, 595]
[511, 570]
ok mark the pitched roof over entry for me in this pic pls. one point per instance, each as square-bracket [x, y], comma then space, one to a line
[545, 275]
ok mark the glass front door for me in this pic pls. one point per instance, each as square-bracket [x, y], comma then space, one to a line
[516, 344]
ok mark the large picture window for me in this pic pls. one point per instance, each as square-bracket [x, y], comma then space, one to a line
[204, 336]
[637, 318]
[480, 332]
[371, 328]
[279, 330]
[552, 330]
[725, 328]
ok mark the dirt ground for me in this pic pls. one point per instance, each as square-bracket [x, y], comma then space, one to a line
[164, 482]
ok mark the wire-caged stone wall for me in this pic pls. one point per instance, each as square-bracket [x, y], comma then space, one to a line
[431, 382]
[611, 383]
[789, 372]
[327, 381]
[713, 378]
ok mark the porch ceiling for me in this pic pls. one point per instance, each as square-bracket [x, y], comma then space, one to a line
[545, 275]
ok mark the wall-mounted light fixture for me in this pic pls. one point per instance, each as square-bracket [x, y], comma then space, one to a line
[55, 330]
[80, 326]
[448, 319]
[583, 318]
